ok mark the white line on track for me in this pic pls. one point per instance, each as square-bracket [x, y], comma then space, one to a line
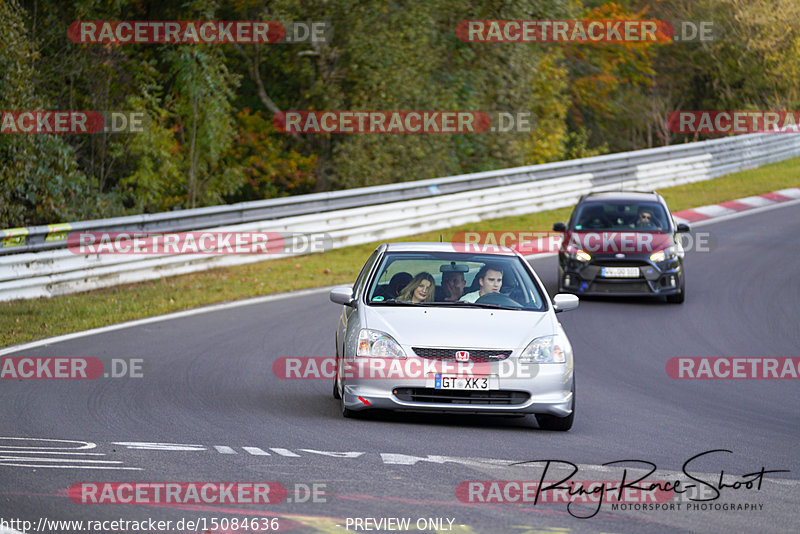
[4, 451]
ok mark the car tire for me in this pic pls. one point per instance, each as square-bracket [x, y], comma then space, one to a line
[680, 296]
[553, 422]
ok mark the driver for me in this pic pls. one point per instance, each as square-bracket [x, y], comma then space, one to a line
[645, 219]
[490, 278]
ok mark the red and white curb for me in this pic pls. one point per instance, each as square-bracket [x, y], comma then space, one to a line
[731, 207]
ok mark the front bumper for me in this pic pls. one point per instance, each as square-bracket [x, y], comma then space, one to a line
[548, 392]
[665, 278]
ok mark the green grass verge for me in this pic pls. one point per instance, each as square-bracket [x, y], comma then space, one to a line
[25, 320]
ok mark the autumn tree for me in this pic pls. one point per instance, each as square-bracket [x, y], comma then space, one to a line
[40, 181]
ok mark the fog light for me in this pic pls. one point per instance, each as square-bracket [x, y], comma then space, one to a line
[568, 280]
[672, 281]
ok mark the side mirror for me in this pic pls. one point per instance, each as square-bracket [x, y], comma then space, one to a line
[342, 295]
[565, 302]
[559, 227]
[683, 227]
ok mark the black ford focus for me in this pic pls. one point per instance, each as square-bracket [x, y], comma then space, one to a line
[622, 243]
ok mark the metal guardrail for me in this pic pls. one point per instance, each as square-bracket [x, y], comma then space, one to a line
[35, 262]
[605, 169]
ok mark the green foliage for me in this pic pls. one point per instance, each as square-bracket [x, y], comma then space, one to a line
[39, 178]
[405, 56]
[154, 184]
[199, 100]
[752, 61]
[269, 169]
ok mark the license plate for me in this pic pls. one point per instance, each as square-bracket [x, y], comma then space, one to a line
[619, 272]
[454, 382]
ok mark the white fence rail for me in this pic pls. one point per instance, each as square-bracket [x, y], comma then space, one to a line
[38, 263]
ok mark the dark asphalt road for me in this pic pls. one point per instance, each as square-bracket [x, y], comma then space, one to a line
[208, 382]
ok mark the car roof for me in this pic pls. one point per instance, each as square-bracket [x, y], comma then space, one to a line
[447, 246]
[600, 196]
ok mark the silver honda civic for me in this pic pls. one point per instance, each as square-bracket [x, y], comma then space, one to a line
[457, 328]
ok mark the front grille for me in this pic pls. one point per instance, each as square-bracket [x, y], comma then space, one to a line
[612, 262]
[450, 396]
[620, 287]
[475, 355]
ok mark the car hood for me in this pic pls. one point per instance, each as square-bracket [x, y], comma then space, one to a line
[611, 242]
[473, 328]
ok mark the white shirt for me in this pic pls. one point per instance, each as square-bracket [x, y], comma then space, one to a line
[470, 297]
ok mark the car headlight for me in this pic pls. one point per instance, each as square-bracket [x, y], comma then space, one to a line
[377, 344]
[666, 254]
[578, 254]
[546, 349]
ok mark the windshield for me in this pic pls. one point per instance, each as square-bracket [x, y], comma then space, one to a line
[634, 216]
[454, 280]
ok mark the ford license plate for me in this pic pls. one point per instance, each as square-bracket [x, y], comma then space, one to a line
[619, 272]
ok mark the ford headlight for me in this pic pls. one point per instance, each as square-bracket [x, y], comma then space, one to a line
[662, 255]
[377, 344]
[546, 349]
[575, 253]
